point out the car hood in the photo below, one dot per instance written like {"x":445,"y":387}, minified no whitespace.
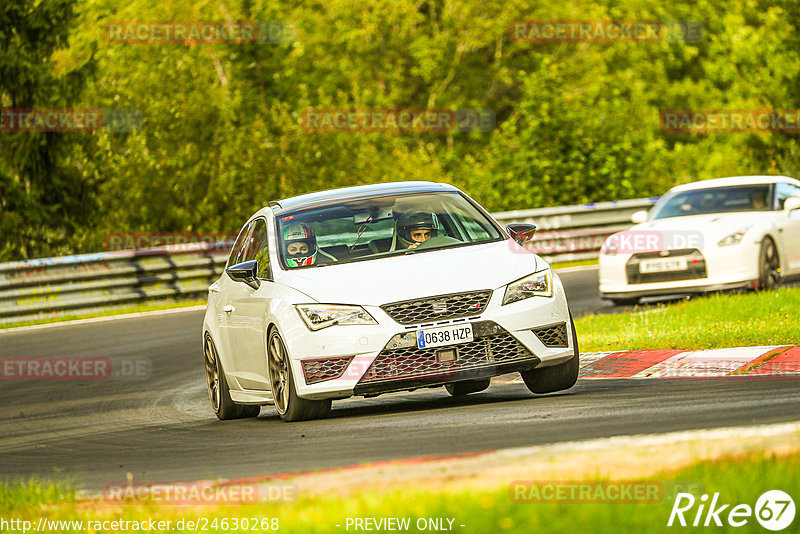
{"x":706,"y":229}
{"x":379,"y":281}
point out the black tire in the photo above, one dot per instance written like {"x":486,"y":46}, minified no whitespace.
{"x":288,"y":405}
{"x":465,"y":387}
{"x":557,"y":377}
{"x":633,"y":301}
{"x":768,"y":266}
{"x":218,"y":391}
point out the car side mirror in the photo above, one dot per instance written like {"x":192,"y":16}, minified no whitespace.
{"x":245,"y":272}
{"x":521,"y":232}
{"x":639,"y":217}
{"x":791,"y":204}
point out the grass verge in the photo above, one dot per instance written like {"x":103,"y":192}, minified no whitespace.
{"x":575,"y":263}
{"x":107,"y":313}
{"x":709,"y":322}
{"x":738,"y":481}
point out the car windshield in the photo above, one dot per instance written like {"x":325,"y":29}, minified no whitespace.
{"x":378,"y":227}
{"x":715,"y":200}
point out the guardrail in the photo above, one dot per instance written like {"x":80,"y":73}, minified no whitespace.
{"x":86,"y":283}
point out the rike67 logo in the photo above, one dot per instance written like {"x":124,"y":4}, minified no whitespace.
{"x":774,"y":510}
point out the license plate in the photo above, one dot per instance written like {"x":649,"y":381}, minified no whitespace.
{"x":445,"y":335}
{"x":665,"y":265}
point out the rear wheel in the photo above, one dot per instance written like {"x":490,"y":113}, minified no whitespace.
{"x":769,"y":265}
{"x":218,"y":390}
{"x":459,"y":389}
{"x":289,"y":406}
{"x":556,"y":377}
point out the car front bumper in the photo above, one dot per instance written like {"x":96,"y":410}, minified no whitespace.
{"x":724,"y":268}
{"x":384,"y":357}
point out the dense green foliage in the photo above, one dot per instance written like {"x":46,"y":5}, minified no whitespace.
{"x":222,"y":134}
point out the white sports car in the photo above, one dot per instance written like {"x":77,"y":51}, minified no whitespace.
{"x":372,"y":289}
{"x":712,"y":235}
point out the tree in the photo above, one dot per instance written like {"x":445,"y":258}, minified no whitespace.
{"x":44,"y":198}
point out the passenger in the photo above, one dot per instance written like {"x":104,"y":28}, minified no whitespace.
{"x":300,"y":245}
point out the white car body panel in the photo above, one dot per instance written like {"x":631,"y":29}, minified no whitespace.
{"x":728,"y":267}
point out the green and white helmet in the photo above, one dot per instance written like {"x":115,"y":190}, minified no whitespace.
{"x":299,"y":233}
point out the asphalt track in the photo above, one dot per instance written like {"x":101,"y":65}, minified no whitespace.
{"x":160,"y":428}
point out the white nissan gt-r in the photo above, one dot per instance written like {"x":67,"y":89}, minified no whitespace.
{"x":713,"y":235}
{"x":372,"y":289}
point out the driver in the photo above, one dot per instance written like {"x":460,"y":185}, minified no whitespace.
{"x":300,"y":245}
{"x":414,"y":229}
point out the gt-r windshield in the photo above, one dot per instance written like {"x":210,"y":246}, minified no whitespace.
{"x":377,"y":227}
{"x":715,"y":200}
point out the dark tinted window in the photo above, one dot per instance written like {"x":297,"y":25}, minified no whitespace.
{"x":715,"y":200}
{"x":237,"y":252}
{"x":258,"y":247}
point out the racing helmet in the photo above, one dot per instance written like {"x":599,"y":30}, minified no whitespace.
{"x":419,"y":220}
{"x":299,"y":233}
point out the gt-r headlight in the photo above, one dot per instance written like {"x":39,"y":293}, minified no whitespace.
{"x":319,"y":316}
{"x":733,"y":238}
{"x":539,"y":284}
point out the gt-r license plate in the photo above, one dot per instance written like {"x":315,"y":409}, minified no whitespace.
{"x":445,"y":335}
{"x":665,"y":265}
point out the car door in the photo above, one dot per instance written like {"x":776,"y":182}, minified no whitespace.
{"x":789,"y":225}
{"x":246,"y":309}
{"x":219,"y":293}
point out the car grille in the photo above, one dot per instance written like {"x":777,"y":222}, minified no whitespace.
{"x":553,"y":336}
{"x":324,"y":369}
{"x":412,"y":362}
{"x":438,"y":308}
{"x":695,"y":259}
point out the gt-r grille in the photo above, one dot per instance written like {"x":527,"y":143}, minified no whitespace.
{"x":553,"y":336}
{"x":411,"y":362}
{"x":438,"y":308}
{"x":696,"y":266}
{"x":324,"y":369}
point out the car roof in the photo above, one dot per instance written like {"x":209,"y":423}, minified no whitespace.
{"x":735,"y":180}
{"x":335,"y":196}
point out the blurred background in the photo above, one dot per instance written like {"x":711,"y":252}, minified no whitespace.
{"x":220,"y":129}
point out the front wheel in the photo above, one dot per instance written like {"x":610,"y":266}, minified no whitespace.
{"x":557,"y":377}
{"x":768,"y":265}
{"x":289,"y":406}
{"x":465,"y":387}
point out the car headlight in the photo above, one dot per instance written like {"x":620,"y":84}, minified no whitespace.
{"x":734,"y":238}
{"x":539,"y":284}
{"x":610,"y":246}
{"x":319,"y":316}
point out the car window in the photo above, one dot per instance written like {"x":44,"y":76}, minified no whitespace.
{"x":375,"y":227}
{"x":237,"y":252}
{"x":715,"y":200}
{"x":783,"y":191}
{"x":258,"y":247}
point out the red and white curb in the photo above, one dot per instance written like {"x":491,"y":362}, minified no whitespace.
{"x":739,"y":361}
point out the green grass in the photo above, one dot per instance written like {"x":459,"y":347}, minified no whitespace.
{"x":739,"y":481}
{"x":712,"y":321}
{"x":575,"y":263}
{"x":116,"y":311}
